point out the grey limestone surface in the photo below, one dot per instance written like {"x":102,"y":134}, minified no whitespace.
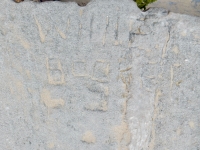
{"x":102,"y":77}
{"x":191,"y":7}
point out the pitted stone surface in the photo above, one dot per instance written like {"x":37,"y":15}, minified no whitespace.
{"x":190,"y":7}
{"x":106,"y":76}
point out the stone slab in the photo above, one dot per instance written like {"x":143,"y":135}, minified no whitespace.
{"x":106,"y":76}
{"x":191,"y":7}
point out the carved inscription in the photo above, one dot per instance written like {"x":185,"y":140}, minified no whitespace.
{"x":101,"y":71}
{"x":97,"y":88}
{"x":101,"y":93}
{"x":48,"y":101}
{"x":54,"y":71}
{"x":98,"y":106}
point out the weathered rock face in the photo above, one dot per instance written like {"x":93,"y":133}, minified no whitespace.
{"x":106,"y":76}
{"x":190,"y":7}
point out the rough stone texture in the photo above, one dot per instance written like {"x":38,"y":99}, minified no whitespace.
{"x":106,"y":76}
{"x":191,"y":7}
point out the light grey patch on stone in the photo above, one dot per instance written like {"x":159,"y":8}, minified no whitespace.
{"x":196,"y":2}
{"x":172,"y":3}
{"x":106,"y":76}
